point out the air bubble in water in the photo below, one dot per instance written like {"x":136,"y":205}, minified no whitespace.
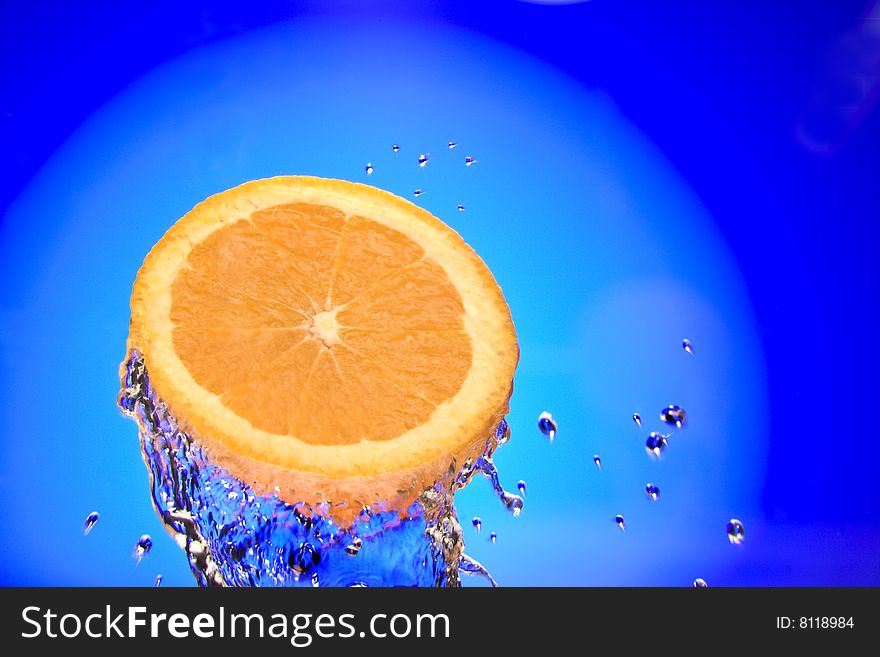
{"x":418,"y":192}
{"x":493,"y":537}
{"x":158,"y":581}
{"x":477,"y":523}
{"x":521,"y":487}
{"x":673,"y":414}
{"x":687,"y":346}
{"x":452,"y":145}
{"x":638,"y":420}
{"x":656,"y":444}
{"x":653,"y":492}
{"x":142,"y":547}
{"x":423,"y":159}
{"x":598,"y":461}
{"x":736,"y":532}
{"x":620,"y":522}
{"x":369,"y":169}
{"x":547,"y":425}
{"x":459,"y":207}
{"x":91,"y":521}
{"x":395,"y":148}
{"x":354,"y":547}
{"x":468,"y":161}
{"x":700,"y":583}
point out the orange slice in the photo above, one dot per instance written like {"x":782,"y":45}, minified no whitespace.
{"x":326,"y":338}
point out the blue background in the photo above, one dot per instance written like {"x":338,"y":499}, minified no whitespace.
{"x":646,"y":172}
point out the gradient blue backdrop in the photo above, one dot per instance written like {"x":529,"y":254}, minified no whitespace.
{"x":645,"y":173}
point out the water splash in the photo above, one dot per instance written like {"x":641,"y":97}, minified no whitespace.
{"x":90,"y":522}
{"x":700,"y":583}
{"x":234,"y":535}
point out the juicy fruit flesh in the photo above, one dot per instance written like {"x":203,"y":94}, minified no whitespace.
{"x":310,"y":323}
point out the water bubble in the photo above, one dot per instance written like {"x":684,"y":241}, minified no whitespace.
{"x":653,"y":492}
{"x":521,"y":487}
{"x":423,"y":159}
{"x":142,"y":547}
{"x":638,"y":420}
{"x":468,"y":161}
{"x":547,"y":425}
{"x":620,"y":522}
{"x":395,"y":148}
{"x":502,"y":432}
{"x":418,"y":192}
{"x":354,"y":547}
{"x":452,"y":145}
{"x":687,"y":346}
{"x":459,"y":207}
{"x":673,"y":414}
{"x":700,"y":583}
{"x":656,"y":444}
{"x":90,"y":522}
{"x":477,"y":523}
{"x":158,"y":581}
{"x":598,"y":461}
{"x":493,"y":537}
{"x":736,"y":532}
{"x":369,"y":169}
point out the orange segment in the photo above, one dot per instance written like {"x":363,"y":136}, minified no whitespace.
{"x":326,"y":338}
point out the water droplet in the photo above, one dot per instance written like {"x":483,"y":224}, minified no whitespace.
{"x":423,"y":159}
{"x":521,"y":487}
{"x":477,"y":523}
{"x":638,"y":420}
{"x":653,"y":492}
{"x":354,"y":547}
{"x":493,"y":537}
{"x":369,"y":169}
{"x":656,"y":444}
{"x":687,"y":346}
{"x":91,"y":521}
{"x":142,"y":547}
{"x":620,"y":522}
{"x":395,"y":148}
{"x":700,"y":583}
{"x":452,"y":145}
{"x":468,"y":161}
{"x":514,"y":503}
{"x":547,"y":425}
{"x":673,"y":414}
{"x":459,"y":207}
{"x":158,"y":581}
{"x":418,"y":192}
{"x":598,"y":461}
{"x":736,"y":532}
{"x":502,"y":432}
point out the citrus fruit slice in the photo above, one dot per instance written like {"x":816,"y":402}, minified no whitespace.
{"x":325,"y":339}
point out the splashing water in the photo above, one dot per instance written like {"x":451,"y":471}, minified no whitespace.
{"x":234,"y":535}
{"x":700,"y":583}
{"x":90,"y":522}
